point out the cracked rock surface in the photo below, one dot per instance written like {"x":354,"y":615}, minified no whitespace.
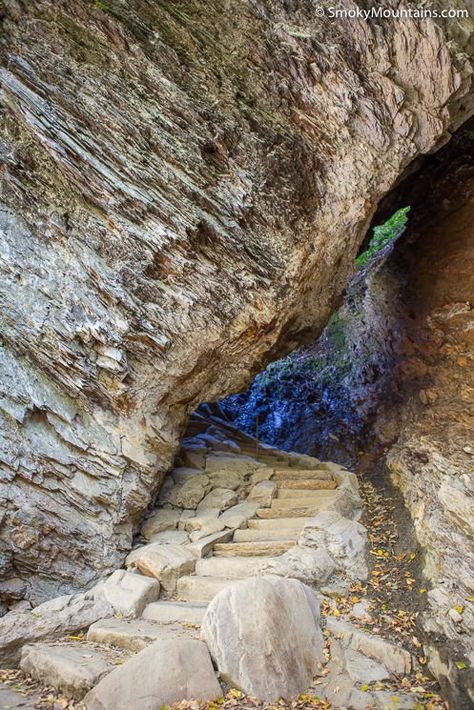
{"x":184,"y":189}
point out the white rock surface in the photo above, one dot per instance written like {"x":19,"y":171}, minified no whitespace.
{"x":162,"y":674}
{"x":171,"y":612}
{"x":130,"y":593}
{"x":72,"y":670}
{"x":263,"y":493}
{"x":394,"y":658}
{"x":176,"y":537}
{"x":51,"y":619}
{"x":226,"y":479}
{"x":345,"y":540}
{"x":218,"y":499}
{"x":245,"y":465}
{"x":304,"y":563}
{"x":163,"y":519}
{"x":135,"y":634}
{"x":189,"y":493}
{"x":205,"y":545}
{"x":238,"y":515}
{"x":166,"y":563}
{"x":264,"y":636}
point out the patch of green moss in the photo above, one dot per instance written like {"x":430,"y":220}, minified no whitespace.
{"x":383,"y":234}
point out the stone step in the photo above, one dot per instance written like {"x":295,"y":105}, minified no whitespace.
{"x":308,"y":501}
{"x":13,"y":700}
{"x":288,"y":498}
{"x":275,"y":514}
{"x":136,"y":634}
{"x":201,"y":589}
{"x":175,"y":612}
{"x":305,"y":484}
{"x":257,"y":535}
{"x":235,"y":567}
{"x":294,"y":474}
{"x":293,"y":523}
{"x":71,"y":668}
{"x":253,"y":549}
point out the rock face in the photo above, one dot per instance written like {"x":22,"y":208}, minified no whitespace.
{"x":405,"y":344}
{"x":164,"y":673}
{"x":53,"y":618}
{"x":264,"y":636}
{"x":183,"y":195}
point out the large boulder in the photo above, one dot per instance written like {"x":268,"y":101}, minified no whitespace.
{"x":157,"y":247}
{"x":264,"y":636}
{"x":164,"y":673}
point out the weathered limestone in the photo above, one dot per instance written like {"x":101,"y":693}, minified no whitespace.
{"x":393,"y":657}
{"x":205,"y":545}
{"x":73,"y":670}
{"x":164,"y":562}
{"x":226,"y":479}
{"x":134,"y":634}
{"x":187,"y":494}
{"x":252,"y":549}
{"x":119,"y":317}
{"x":167,"y":537}
{"x":13,"y":700}
{"x":201,"y":589}
{"x":263,"y":493}
{"x":231,"y":567}
{"x":313,"y":567}
{"x":264,"y":636}
{"x":205,"y":523}
{"x":171,"y":612}
{"x":362,"y":669}
{"x":219,"y":499}
{"x":130,"y":593}
{"x":162,"y":519}
{"x":345,"y":540}
{"x":164,"y":673}
{"x":238,"y":515}
{"x":51,"y":619}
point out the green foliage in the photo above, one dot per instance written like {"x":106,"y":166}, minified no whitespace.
{"x":383,"y":234}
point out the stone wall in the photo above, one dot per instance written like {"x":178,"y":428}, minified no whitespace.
{"x":184,"y":189}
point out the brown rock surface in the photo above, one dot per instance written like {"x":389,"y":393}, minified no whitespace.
{"x":183,"y":195}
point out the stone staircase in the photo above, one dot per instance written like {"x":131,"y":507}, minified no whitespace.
{"x":300,"y":493}
{"x":272,"y":498}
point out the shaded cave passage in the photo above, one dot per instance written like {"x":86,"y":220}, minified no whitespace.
{"x":387,"y":391}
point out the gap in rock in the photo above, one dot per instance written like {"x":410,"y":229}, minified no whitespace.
{"x":387,"y":391}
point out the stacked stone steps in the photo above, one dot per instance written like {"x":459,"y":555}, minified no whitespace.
{"x":196,"y":589}
{"x":253,"y":549}
{"x":231,"y":567}
{"x":295,"y":512}
{"x":306,"y":484}
{"x":257,"y":535}
{"x":296,"y":474}
{"x":166,"y":612}
{"x":299,"y":495}
{"x":136,"y":634}
{"x":293,"y":524}
{"x":72,"y":668}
